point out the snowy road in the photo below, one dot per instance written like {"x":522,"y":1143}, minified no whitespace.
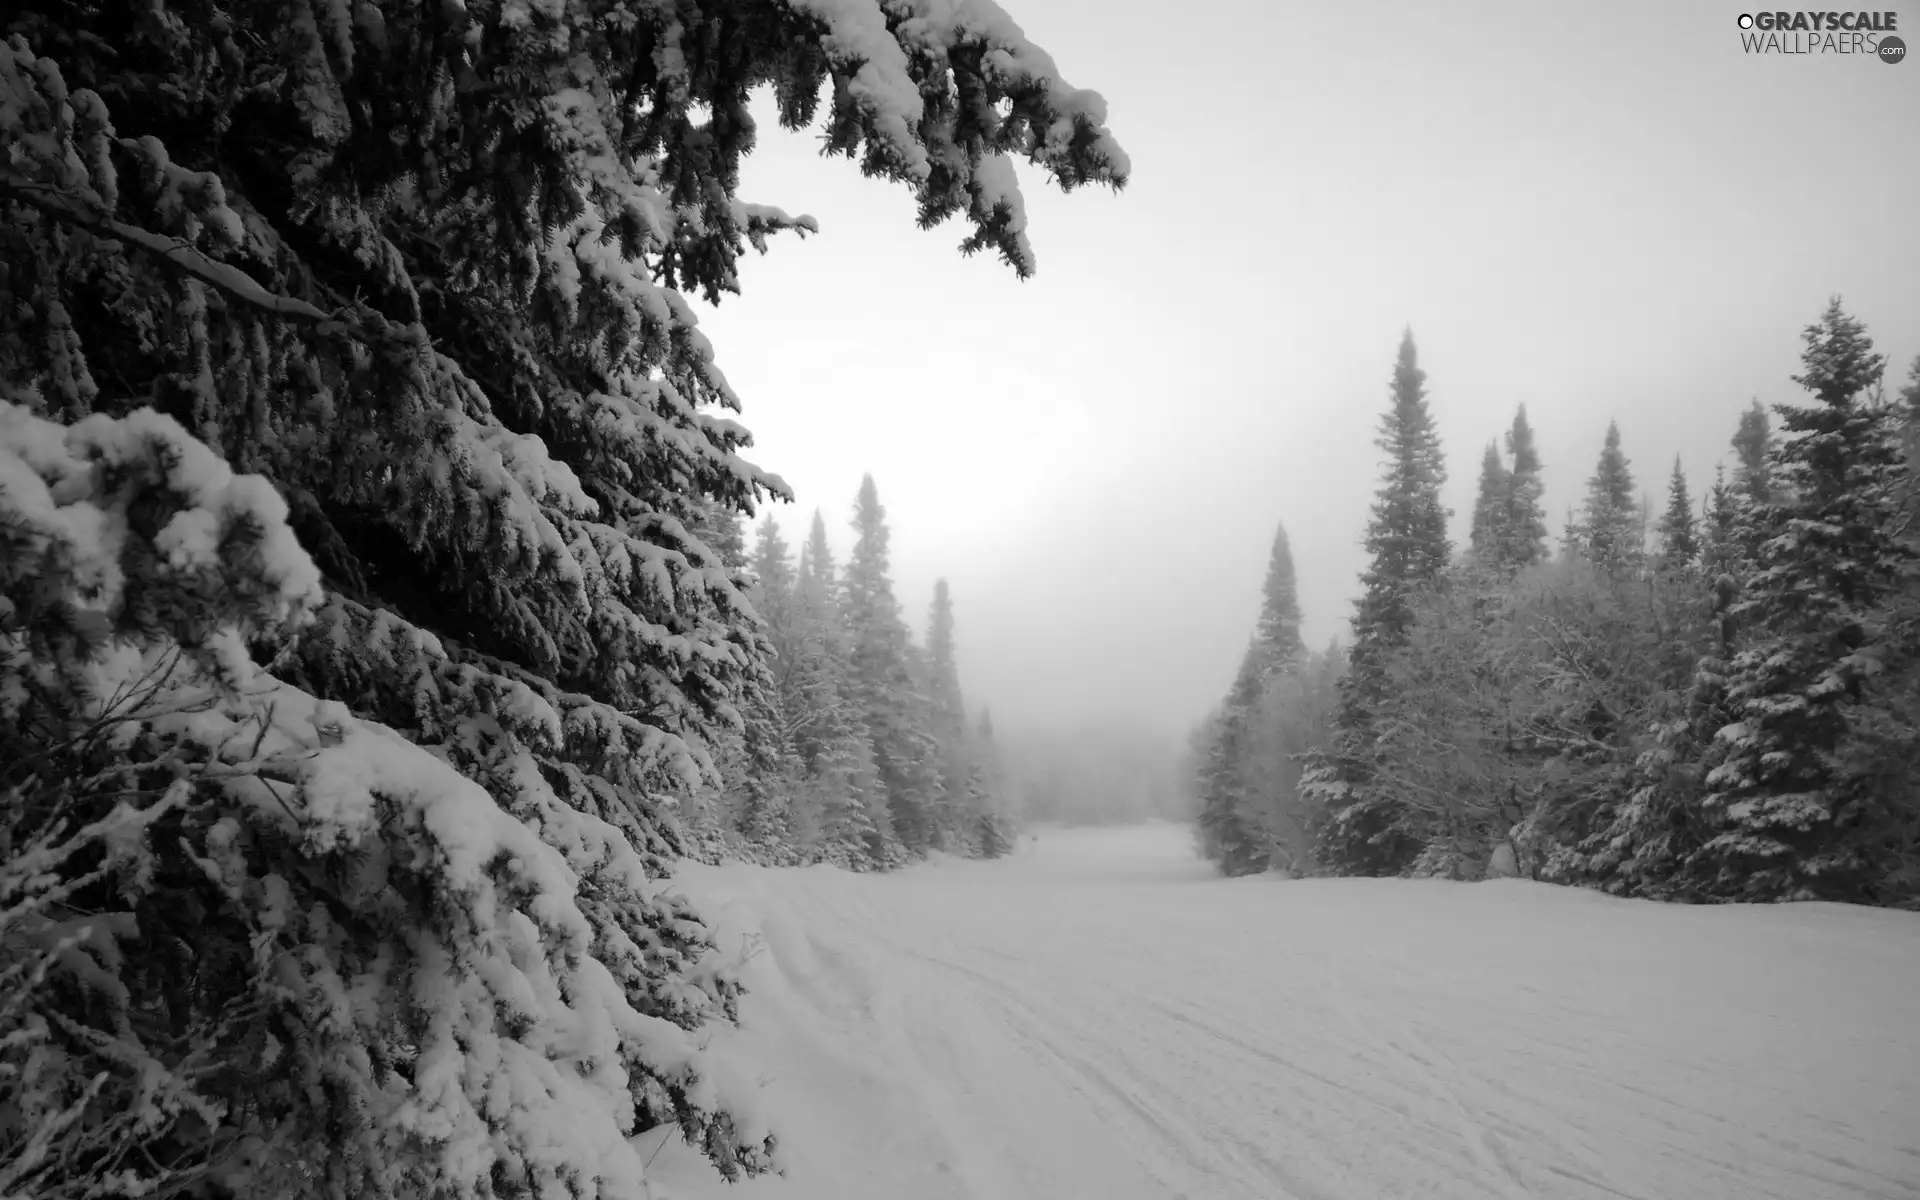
{"x":1099,"y":1017}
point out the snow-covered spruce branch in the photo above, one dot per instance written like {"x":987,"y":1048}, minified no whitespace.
{"x":294,"y":837}
{"x":183,"y":259}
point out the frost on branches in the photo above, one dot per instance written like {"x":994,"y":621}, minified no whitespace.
{"x":417,"y":272}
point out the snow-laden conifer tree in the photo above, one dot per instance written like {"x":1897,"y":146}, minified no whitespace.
{"x":987,"y":784}
{"x":1907,"y":417}
{"x":773,"y":589}
{"x":1407,"y":539}
{"x":1293,"y":717}
{"x":969,"y":806}
{"x":1679,"y":539}
{"x":1277,"y":632}
{"x":1753,"y":447}
{"x":880,"y":678}
{"x":1609,"y":532}
{"x":1525,"y":526}
{"x":957,"y":812}
{"x":943,"y":672}
{"x":945,"y":828}
{"x":251,"y":944}
{"x":422,"y":269}
{"x":1233,"y":829}
{"x":1717,"y":515}
{"x":1407,"y":535}
{"x":1722,"y":555}
{"x":1797,"y":823}
{"x":1487,"y":537}
{"x":1755,"y":486}
{"x":830,"y":735}
{"x":762,"y":783}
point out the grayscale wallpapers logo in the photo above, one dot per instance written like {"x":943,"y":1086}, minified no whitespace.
{"x":1868,"y":34}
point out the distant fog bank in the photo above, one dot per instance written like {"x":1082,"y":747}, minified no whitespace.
{"x":1095,"y":773}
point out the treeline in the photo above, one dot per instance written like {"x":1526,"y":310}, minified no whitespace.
{"x":1685,"y":703}
{"x":855,"y":746}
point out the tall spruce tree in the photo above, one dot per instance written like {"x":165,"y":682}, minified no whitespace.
{"x":881,"y":677}
{"x":1407,"y":535}
{"x":798,"y":677}
{"x":829,"y":735}
{"x":1488,"y":538}
{"x":1722,"y":565}
{"x":773,"y":587}
{"x":1609,"y":531}
{"x":1753,"y":444}
{"x":1756,"y":486}
{"x":419,"y":272}
{"x":949,"y":709}
{"x":1407,"y":539}
{"x":1679,"y":543}
{"x":987,"y":782}
{"x":1525,"y":525}
{"x":1231,"y":831}
{"x":820,"y":714}
{"x":1277,"y":632}
{"x":743,"y":793}
{"x":1907,"y":417}
{"x":760,"y":781}
{"x":1797,"y":824}
{"x":1719,"y":514}
{"x":1742,"y":512}
{"x":958,"y":796}
{"x":1231,"y":811}
{"x":816,"y":569}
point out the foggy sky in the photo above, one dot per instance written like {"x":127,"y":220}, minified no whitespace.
{"x":1604,"y":211}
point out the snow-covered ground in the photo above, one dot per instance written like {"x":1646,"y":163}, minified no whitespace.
{"x":1100,"y":1017}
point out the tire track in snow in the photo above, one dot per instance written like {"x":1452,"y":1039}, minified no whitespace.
{"x":1035,"y":1031}
{"x":1262,"y":1175}
{"x":1441,"y":1073}
{"x":1263,"y":1172}
{"x":898,"y":1020}
{"x":1461,"y":1123}
{"x":1465,"y":1126}
{"x":1249,"y":1048}
{"x":1447,"y":1081}
{"x":1482,"y":1100}
{"x":917,"y":1022}
{"x":1112,"y":1037}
